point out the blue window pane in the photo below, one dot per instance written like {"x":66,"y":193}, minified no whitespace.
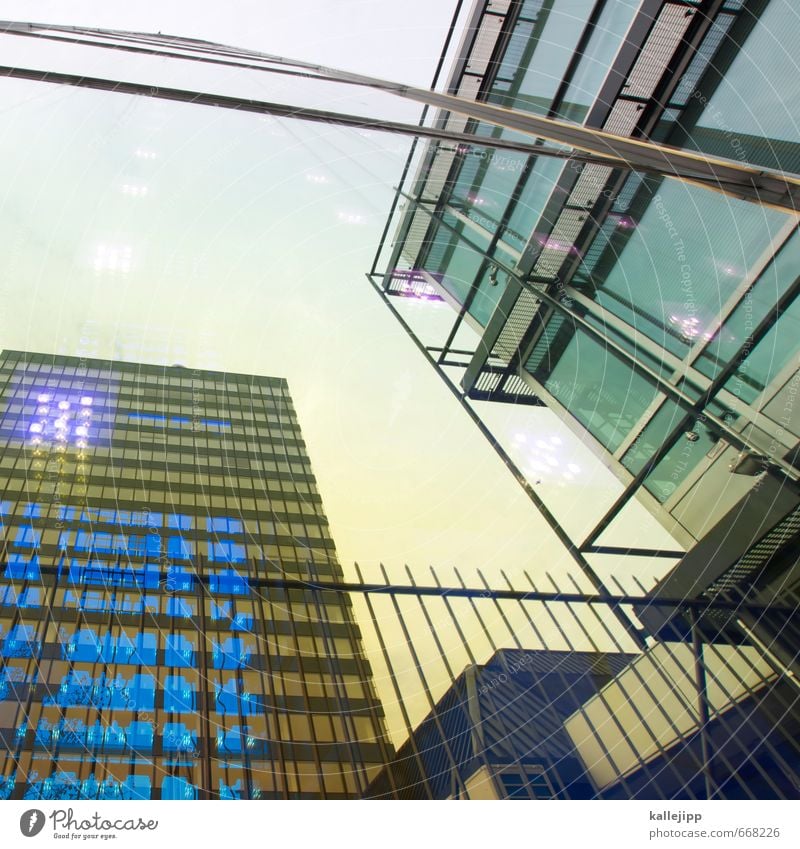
{"x":229,"y":582}
{"x":232,"y":697}
{"x":178,"y":738}
{"x":23,"y":568}
{"x":234,"y":653}
{"x":180,"y":549}
{"x":21,"y":642}
{"x":224,"y":524}
{"x":226,"y":551}
{"x":177,"y":789}
{"x":27,"y":536}
{"x":180,"y":695}
{"x":181,"y":608}
{"x":180,"y":522}
{"x":32,"y":511}
{"x":179,"y":651}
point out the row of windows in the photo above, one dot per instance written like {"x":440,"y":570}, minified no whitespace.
{"x":238,"y":614}
{"x":29,"y":400}
{"x":32,"y":371}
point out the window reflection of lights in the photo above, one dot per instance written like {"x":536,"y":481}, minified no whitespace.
{"x":134,"y":191}
{"x":63,"y":405}
{"x":37,"y":440}
{"x":350,"y":218}
{"x":142,"y":153}
{"x":86,"y":401}
{"x":42,"y":411}
{"x":43,"y":399}
{"x":316,"y":178}
{"x":113,"y":258}
{"x":81,"y":430}
{"x":35,"y":428}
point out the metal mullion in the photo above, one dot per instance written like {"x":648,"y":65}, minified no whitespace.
{"x":400,"y":700}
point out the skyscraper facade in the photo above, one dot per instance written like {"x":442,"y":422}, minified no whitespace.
{"x":149,"y":648}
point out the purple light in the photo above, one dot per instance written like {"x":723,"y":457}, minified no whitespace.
{"x":63,"y":405}
{"x":35,"y":428}
{"x":43,"y":399}
{"x":42,"y":411}
{"x":81,"y":430}
{"x":86,"y":401}
{"x":60,"y":424}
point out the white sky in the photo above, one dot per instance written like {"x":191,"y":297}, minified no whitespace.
{"x":247,"y":253}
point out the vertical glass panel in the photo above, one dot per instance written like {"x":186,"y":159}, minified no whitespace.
{"x":602,"y":392}
{"x":678,"y":269}
{"x":597,"y":58}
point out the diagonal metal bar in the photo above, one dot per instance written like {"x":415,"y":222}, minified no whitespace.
{"x":763,"y":186}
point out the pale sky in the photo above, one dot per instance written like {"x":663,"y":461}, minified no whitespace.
{"x":160,"y":232}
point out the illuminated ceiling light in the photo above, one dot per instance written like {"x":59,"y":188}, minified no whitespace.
{"x":81,"y":430}
{"x":42,"y":411}
{"x":134,"y":191}
{"x":35,"y":428}
{"x":316,"y":178}
{"x":142,"y":153}
{"x":63,"y":405}
{"x":43,"y":399}
{"x":81,"y":444}
{"x":86,"y":401}
{"x":37,"y":440}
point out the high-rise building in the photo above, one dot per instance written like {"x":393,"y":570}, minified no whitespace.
{"x":657,"y":318}
{"x":156,"y":635}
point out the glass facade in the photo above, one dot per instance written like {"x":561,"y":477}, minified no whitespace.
{"x":141,"y":657}
{"x":695,"y":289}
